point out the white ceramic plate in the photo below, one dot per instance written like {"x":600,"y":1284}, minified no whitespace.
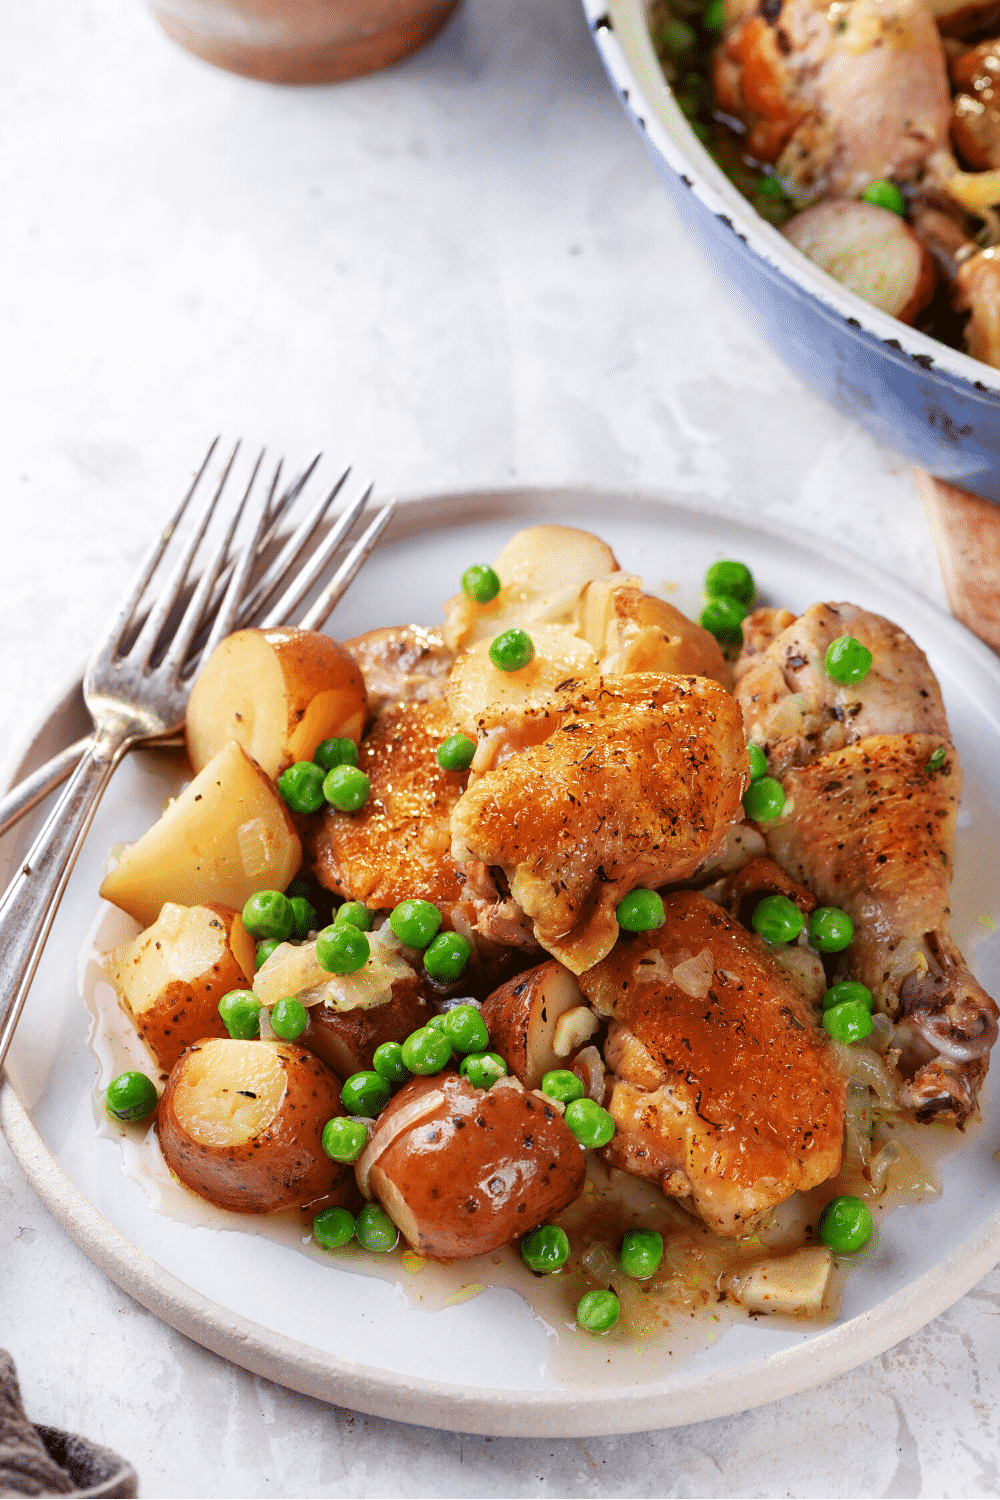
{"x":485,"y":1366}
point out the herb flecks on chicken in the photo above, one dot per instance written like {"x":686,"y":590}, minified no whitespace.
{"x":872,"y":785}
{"x":398,"y":845}
{"x":724,"y":1089}
{"x":635,"y":785}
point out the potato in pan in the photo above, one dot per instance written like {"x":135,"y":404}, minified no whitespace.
{"x":538,"y":1021}
{"x":462,"y":1171}
{"x":346,"y":1040}
{"x":241,"y":1123}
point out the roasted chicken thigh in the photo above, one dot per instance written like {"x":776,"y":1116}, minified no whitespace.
{"x":635,"y":784}
{"x":724,"y":1089}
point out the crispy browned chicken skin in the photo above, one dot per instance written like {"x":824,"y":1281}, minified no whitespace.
{"x":869,"y":826}
{"x":725,"y":1090}
{"x":399,"y":844}
{"x":635,"y":784}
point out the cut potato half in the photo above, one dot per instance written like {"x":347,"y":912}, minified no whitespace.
{"x":477,"y":685}
{"x":227,"y":835}
{"x":171,"y":978}
{"x":241,"y":1122}
{"x":277,"y":693}
{"x":462,"y":1171}
{"x":635,"y":632}
{"x":869,"y":250}
{"x":541,"y":571}
{"x":538,"y":1021}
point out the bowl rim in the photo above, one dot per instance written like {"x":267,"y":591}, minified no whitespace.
{"x":621,"y":35}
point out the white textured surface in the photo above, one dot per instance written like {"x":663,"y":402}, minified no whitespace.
{"x":458,"y":274}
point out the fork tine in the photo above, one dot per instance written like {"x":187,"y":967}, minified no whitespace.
{"x":277,"y":573}
{"x":145,"y":645}
{"x":226,"y":620}
{"x":194,"y":614}
{"x":128,"y":606}
{"x":314,"y":569}
{"x":345,"y":574}
{"x":296,"y":487}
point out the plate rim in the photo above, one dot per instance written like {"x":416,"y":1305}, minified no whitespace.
{"x":566,"y":1412}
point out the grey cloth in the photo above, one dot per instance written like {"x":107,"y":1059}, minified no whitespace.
{"x":25,"y":1465}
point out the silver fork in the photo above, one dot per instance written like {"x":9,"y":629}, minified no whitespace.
{"x":36,"y":786}
{"x":136,"y":691}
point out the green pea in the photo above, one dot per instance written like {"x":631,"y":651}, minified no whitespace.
{"x":546,"y":1249}
{"x":365,"y":1094}
{"x":482,"y":1069}
{"x":426,"y":1051}
{"x":447,"y":956}
{"x":884,"y":194}
{"x":268,"y":915}
{"x":592,"y":1125}
{"x":847,"y":661}
{"x":937,"y":760}
{"x":346,"y":788}
{"x":302,"y":787}
{"x":436,"y":1023}
{"x":356,"y":914}
{"x":830,"y":929}
{"x":240,"y":1012}
{"x":344,"y":1139}
{"x":330,"y":753}
{"x":388,"y":1063}
{"x":456,"y":753}
{"x":512,"y":650}
{"x":131,"y":1096}
{"x":777,"y":919}
{"x":758,"y":762}
{"x":723,"y":616}
{"x":769,"y":189}
{"x":375,"y":1230}
{"x":415,"y":923}
{"x":732,"y":578}
{"x":675,"y":37}
{"x":845,"y":1225}
{"x":701,"y":131}
{"x":289,"y":1018}
{"x":465,"y":1029}
{"x":640,"y":911}
{"x":641,"y":1253}
{"x":304,"y":917}
{"x":333,"y":1227}
{"x":850,"y":1021}
{"x":342,"y":949}
{"x":563,"y":1085}
{"x":265,"y":949}
{"x":597,"y":1311}
{"x":764,"y":800}
{"x":848,"y":989}
{"x":714,"y":18}
{"x":480,"y":583}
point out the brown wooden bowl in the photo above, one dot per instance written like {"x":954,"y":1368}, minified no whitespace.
{"x":302,"y":41}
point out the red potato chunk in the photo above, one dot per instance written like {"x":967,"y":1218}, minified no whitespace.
{"x":241,"y":1123}
{"x":870,"y":251}
{"x":171,"y":978}
{"x":462,"y":1171}
{"x":346,"y":1039}
{"x":538,"y":1021}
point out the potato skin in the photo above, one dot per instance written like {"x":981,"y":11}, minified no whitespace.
{"x":346,"y":1040}
{"x":480,"y":1170}
{"x":284,"y":1165}
{"x":513,"y":1012}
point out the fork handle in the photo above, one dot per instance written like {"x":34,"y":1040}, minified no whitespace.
{"x":29,"y":904}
